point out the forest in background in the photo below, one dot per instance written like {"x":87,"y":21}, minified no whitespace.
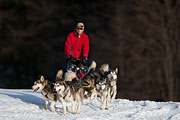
{"x":140,"y":37}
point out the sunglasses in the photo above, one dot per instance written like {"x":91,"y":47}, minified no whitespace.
{"x":79,"y":28}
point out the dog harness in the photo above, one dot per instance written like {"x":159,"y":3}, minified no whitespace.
{"x":50,"y":93}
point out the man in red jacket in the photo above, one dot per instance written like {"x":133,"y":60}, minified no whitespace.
{"x":77,"y":45}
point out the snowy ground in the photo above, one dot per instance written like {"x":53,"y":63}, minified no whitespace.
{"x":27,"y":105}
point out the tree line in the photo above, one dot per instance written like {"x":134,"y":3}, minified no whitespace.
{"x":140,"y":37}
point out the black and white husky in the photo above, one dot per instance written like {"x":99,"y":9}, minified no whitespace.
{"x":67,"y":92}
{"x":47,"y":90}
{"x":89,"y":82}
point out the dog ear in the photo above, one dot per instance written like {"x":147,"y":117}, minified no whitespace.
{"x":116,"y":70}
{"x":42,"y":78}
{"x":105,"y":80}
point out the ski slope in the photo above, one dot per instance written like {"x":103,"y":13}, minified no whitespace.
{"x":24,"y":104}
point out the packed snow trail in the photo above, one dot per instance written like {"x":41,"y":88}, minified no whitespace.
{"x":26,"y":105}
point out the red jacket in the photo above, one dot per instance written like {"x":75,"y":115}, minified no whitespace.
{"x":77,"y":46}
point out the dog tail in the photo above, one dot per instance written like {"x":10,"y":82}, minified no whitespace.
{"x":104,"y":68}
{"x":59,"y":75}
{"x":69,"y":76}
{"x":92,"y":66}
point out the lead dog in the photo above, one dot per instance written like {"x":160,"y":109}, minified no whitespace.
{"x":47,"y":90}
{"x":67,"y":92}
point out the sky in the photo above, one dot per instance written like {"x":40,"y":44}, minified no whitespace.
{"x":24,"y":104}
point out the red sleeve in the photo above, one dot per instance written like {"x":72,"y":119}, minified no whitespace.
{"x":67,"y":47}
{"x":86,"y":47}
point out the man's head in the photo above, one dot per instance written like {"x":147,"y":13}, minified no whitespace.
{"x":79,"y":28}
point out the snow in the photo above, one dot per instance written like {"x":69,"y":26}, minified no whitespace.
{"x":24,"y":104}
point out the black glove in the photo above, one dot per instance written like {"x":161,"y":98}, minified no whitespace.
{"x":84,"y":60}
{"x":71,"y":59}
{"x":68,"y":59}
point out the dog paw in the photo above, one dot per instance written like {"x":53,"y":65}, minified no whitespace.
{"x":53,"y":110}
{"x":106,"y":108}
{"x":76,"y":113}
{"x":101,"y":108}
{"x":63,"y":114}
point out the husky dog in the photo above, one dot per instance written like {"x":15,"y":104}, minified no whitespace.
{"x":77,"y":66}
{"x":89,"y":81}
{"x":66,"y":92}
{"x":103,"y":90}
{"x":46,"y":89}
{"x":89,"y":85}
{"x":112,"y":81}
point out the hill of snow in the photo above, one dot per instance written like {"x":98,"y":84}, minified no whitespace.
{"x":24,"y":104}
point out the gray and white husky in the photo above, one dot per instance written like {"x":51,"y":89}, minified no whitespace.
{"x":47,"y":90}
{"x":68,"y":93}
{"x":111,"y":80}
{"x":103,"y":90}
